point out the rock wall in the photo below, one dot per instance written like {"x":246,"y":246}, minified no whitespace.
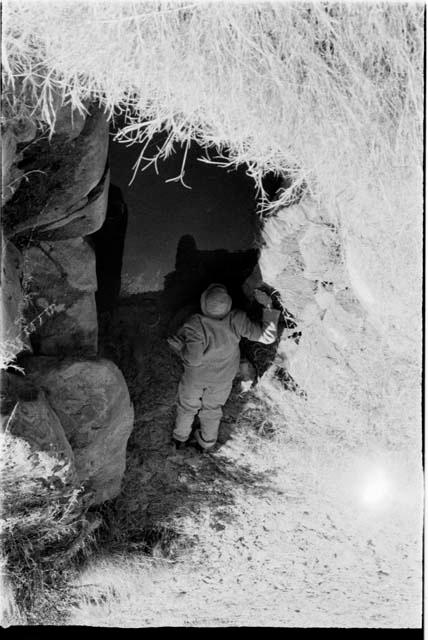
{"x":12,"y":338}
{"x":92,"y":403}
{"x":61,"y":275}
{"x":55,"y":194}
{"x":352,"y":350}
{"x":301,"y":258}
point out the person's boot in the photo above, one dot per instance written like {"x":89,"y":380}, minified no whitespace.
{"x":178,"y":444}
{"x":203,"y":450}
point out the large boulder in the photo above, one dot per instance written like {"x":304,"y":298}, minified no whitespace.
{"x":60,"y":280}
{"x":11,"y":176}
{"x":12,"y":337}
{"x":84,"y":220}
{"x":63,"y":176}
{"x":301,"y":258}
{"x":91,"y":399}
{"x":33,"y":420}
{"x":19,"y":131}
{"x":11,"y":293}
{"x":13,"y":388}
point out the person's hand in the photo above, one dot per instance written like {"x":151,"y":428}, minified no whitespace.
{"x":175,"y":344}
{"x":262,"y":298}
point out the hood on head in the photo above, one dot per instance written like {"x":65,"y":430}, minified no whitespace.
{"x":215,"y":301}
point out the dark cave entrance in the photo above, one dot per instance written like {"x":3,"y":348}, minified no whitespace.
{"x":174,"y":234}
{"x":214,"y":211}
{"x":168,"y":241}
{"x":177,"y":238}
{"x":163,"y":242}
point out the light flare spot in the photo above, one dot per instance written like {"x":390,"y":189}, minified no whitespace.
{"x":375,"y":489}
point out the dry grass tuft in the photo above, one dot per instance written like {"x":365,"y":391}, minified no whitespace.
{"x":43,"y":526}
{"x":332,"y":93}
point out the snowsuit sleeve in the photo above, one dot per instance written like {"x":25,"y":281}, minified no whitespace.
{"x":265,"y":332}
{"x":192,"y":336}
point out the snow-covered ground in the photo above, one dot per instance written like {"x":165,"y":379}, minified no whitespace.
{"x":273,"y":529}
{"x":292,"y":553}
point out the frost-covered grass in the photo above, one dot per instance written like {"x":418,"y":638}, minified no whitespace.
{"x":333,"y":90}
{"x":43,"y":527}
{"x":313,"y":537}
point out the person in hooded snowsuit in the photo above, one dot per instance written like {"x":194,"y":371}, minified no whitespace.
{"x":208,"y":344}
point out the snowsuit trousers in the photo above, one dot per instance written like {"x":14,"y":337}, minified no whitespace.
{"x":207,"y":399}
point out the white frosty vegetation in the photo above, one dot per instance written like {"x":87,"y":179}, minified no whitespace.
{"x":331,"y":95}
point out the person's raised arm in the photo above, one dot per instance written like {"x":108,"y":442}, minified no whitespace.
{"x":265,"y":332}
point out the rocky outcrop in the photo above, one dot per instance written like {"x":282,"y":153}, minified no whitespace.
{"x":11,"y":293}
{"x":13,"y":388}
{"x":301,"y":258}
{"x":88,"y":217}
{"x":11,"y":176}
{"x":74,"y":413}
{"x":21,"y":131}
{"x":26,"y":414}
{"x":36,"y":422}
{"x":64,"y":177}
{"x":60,"y":282}
{"x":63,"y":199}
{"x":91,"y":400}
{"x":12,"y":337}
